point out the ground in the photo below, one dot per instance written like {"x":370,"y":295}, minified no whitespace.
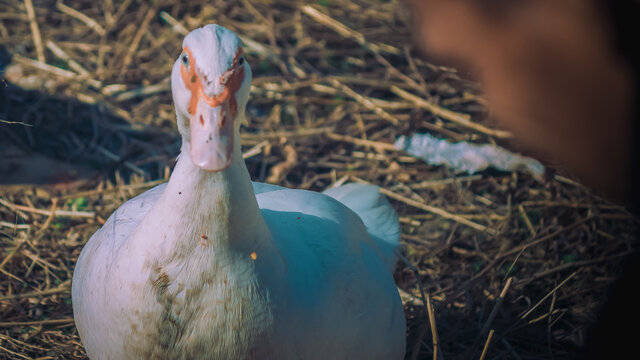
{"x":86,"y":122}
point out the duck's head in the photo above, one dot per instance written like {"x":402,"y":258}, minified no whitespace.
{"x":210,"y":82}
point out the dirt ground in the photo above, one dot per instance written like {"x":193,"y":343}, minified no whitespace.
{"x":86,"y":122}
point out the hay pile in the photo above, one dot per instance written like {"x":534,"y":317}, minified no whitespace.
{"x":86,"y":122}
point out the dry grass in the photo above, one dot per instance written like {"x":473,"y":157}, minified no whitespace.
{"x":511,"y":267}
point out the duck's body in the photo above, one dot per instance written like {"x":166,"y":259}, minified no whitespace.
{"x":211,"y":266}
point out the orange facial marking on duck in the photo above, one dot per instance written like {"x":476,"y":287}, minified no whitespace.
{"x":231,"y":79}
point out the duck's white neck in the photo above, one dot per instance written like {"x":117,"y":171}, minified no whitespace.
{"x":203,"y":213}
{"x":205,"y":245}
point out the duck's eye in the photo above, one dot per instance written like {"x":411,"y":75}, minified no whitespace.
{"x":185,"y":59}
{"x":241,"y":61}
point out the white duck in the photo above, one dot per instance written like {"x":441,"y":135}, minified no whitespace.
{"x":211,"y":266}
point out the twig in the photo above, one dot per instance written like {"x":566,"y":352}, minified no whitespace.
{"x":8,"y":204}
{"x":15,"y":123}
{"x":16,"y":341}
{"x":369,"y":143}
{"x":15,"y":226}
{"x":280,"y":170}
{"x":121,"y":10}
{"x":144,"y":27}
{"x":175,"y":24}
{"x":64,"y":287}
{"x":409,"y":298}
{"x":61,"y":54}
{"x":378,"y":83}
{"x":366,"y":102}
{"x":466,"y":284}
{"x":507,"y":253}
{"x":443,"y":182}
{"x":10,"y":274}
{"x":359,"y":38}
{"x":117,"y":158}
{"x":35,"y":30}
{"x":347,"y":32}
{"x":438,"y":211}
{"x":22,"y":240}
{"x":37,"y":323}
{"x":302,"y":132}
{"x":566,"y":180}
{"x":572,"y":265}
{"x":47,"y":223}
{"x":513,"y":264}
{"x":486,"y":345}
{"x":494,"y":311}
{"x":114,"y":189}
{"x":92,"y":24}
{"x":548,"y":314}
{"x":437,"y":354}
{"x":57,"y":213}
{"x":42,"y":262}
{"x":14,"y":353}
{"x":460,"y":119}
{"x":162,"y":86}
{"x":540,"y":240}
{"x":253,"y":47}
{"x":527,"y":222}
{"x":255,"y":150}
{"x":414,"y":68}
{"x":55,"y":70}
{"x":527,"y":313}
{"x":426,"y":301}
{"x":14,"y":16}
{"x":575,"y":205}
{"x":45,"y":67}
{"x":490,"y":319}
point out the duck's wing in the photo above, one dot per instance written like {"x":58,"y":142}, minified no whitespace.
{"x":122,"y":223}
{"x":335,"y":275}
{"x":376,"y":213}
{"x":379,"y":217}
{"x":259,"y":188}
{"x":97,"y":257}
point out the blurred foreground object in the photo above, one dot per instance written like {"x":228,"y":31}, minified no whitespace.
{"x":559,"y":75}
{"x":563,"y":76}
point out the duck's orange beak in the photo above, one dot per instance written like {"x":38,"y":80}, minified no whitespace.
{"x":211,"y":116}
{"x":211,"y":136}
